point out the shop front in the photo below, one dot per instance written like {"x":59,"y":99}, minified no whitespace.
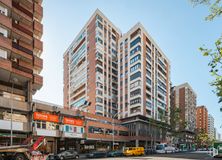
{"x":72,"y":134}
{"x":46,"y":125}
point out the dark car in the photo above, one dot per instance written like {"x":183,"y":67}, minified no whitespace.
{"x":97,"y":154}
{"x":116,"y":153}
{"x":52,"y":157}
{"x":69,"y":154}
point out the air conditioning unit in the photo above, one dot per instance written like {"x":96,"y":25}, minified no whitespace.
{"x":15,"y":40}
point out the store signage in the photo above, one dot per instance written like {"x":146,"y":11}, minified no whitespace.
{"x":73,"y":121}
{"x":75,"y":135}
{"x":45,"y":117}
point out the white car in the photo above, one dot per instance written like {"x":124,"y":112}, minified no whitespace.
{"x":165,"y":148}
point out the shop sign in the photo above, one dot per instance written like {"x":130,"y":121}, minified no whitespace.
{"x":74,"y":135}
{"x":46,"y":117}
{"x":73,"y":121}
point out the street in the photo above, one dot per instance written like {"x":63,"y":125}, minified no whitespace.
{"x":175,"y":156}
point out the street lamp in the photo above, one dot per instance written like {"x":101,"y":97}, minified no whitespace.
{"x":14,"y":80}
{"x":113,"y":125}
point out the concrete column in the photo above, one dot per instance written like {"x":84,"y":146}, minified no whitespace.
{"x":29,"y":91}
{"x":78,"y":145}
{"x":137,"y":143}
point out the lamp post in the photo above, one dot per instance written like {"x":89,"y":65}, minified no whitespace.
{"x":11,"y":127}
{"x":113,"y":126}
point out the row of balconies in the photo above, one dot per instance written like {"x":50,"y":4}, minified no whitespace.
{"x":22,"y":70}
{"x":18,"y":10}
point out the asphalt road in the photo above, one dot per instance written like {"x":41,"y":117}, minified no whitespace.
{"x":174,"y":156}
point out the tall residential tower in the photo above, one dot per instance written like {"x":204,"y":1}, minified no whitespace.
{"x":91,"y":69}
{"x":20,"y":48}
{"x":183,"y":100}
{"x":119,"y":76}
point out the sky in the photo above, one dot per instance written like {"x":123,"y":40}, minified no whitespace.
{"x":176,"y":26}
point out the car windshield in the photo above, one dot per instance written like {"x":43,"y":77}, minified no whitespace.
{"x":159,"y":147}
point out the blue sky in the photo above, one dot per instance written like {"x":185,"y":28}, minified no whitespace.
{"x":176,"y":26}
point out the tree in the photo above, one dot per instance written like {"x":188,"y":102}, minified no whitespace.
{"x":215,"y":55}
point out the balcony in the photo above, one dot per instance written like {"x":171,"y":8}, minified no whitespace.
{"x":24,"y":37}
{"x":26,"y":65}
{"x":5,"y":42}
{"x":6,"y":21}
{"x":22,"y":72}
{"x":17,"y":105}
{"x":23,"y":29}
{"x":22,"y":51}
{"x":5,"y":64}
{"x":38,"y":62}
{"x":7,"y":3}
{"x":21,"y":11}
{"x":38,"y":1}
{"x":38,"y":45}
{"x":37,"y":81}
{"x":38,"y":28}
{"x":38,"y":11}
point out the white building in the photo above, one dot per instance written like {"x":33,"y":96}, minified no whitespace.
{"x":211,"y":126}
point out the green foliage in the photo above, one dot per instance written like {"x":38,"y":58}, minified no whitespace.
{"x":203,"y":140}
{"x":215,"y":7}
{"x":215,"y":55}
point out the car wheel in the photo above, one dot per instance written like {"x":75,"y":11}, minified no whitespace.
{"x":77,"y":157}
{"x":20,"y":157}
{"x":62,"y":158}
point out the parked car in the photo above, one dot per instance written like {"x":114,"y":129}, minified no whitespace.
{"x":165,"y":148}
{"x":52,"y":157}
{"x":97,"y":154}
{"x":134,"y":151}
{"x":69,"y":154}
{"x":149,"y":151}
{"x":116,"y":153}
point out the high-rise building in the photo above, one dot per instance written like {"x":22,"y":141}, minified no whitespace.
{"x":20,"y":48}
{"x":183,"y":100}
{"x":211,"y":126}
{"x":215,"y":133}
{"x":144,"y":76}
{"x":202,"y":119}
{"x":91,"y":69}
{"x":20,"y":66}
{"x":122,"y":76}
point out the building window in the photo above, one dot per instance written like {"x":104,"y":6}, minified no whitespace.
{"x":98,"y":24}
{"x":135,"y":67}
{"x":148,"y":81}
{"x":3,"y":54}
{"x":99,"y":18}
{"x":136,"y":49}
{"x":3,"y":11}
{"x":135,"y":75}
{"x":99,"y":40}
{"x":135,"y":92}
{"x":100,"y":100}
{"x":99,"y":108}
{"x":135,"y":101}
{"x":134,"y":42}
{"x":134,"y":59}
{"x":135,"y":84}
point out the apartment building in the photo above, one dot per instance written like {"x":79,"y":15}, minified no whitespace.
{"x":91,"y":69}
{"x":202,"y":119}
{"x":183,"y":100}
{"x":20,"y":63}
{"x":119,"y":76}
{"x":144,"y":86}
{"x":210,"y":126}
